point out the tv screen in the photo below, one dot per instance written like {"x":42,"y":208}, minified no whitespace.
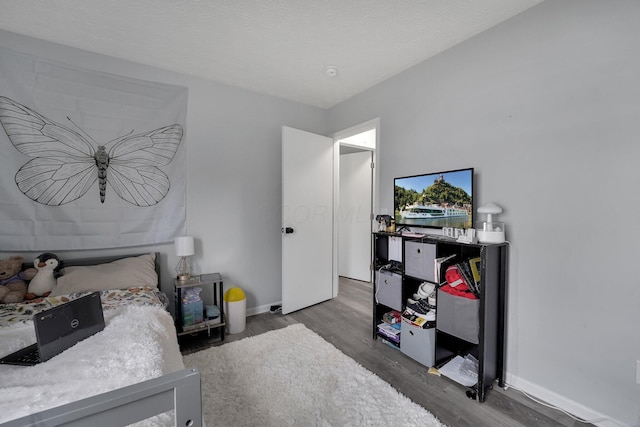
{"x":435,"y":200}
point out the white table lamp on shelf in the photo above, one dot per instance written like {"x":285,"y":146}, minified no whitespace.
{"x":184,"y":249}
{"x":490,"y":231}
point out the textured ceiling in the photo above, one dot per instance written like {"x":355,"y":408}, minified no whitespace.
{"x":277,"y":47}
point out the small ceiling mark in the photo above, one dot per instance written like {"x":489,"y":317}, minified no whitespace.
{"x":331,"y":71}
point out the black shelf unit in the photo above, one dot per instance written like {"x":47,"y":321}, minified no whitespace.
{"x":212,"y":293}
{"x":490,"y":346}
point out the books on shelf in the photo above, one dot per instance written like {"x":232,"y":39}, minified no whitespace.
{"x":475,"y":269}
{"x":389,"y":329}
{"x":439,"y":263}
{"x":391,"y":332}
{"x":467,"y":275}
{"x":417,"y":319}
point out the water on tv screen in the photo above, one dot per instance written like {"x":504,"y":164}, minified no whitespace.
{"x":435,"y":200}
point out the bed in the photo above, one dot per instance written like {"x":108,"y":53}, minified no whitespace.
{"x":126,"y":373}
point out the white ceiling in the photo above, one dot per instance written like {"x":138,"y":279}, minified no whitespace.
{"x":276,"y":47}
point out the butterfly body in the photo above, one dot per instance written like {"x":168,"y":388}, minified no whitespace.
{"x":66,"y":165}
{"x":102,"y":163}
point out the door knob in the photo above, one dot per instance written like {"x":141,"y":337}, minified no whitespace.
{"x":287,"y":230}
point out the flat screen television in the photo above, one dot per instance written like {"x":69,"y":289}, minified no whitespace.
{"x":434,"y":200}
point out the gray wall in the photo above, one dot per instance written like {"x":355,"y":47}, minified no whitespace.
{"x":546,"y":107}
{"x":233,"y":176}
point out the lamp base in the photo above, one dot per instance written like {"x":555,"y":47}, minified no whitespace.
{"x":490,"y":236}
{"x":490,"y":232}
{"x":183,"y":269}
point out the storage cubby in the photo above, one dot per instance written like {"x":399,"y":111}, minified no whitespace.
{"x":463,"y":326}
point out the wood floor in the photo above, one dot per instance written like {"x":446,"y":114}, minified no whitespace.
{"x":346,"y":321}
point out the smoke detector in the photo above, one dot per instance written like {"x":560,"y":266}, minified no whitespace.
{"x":331,"y":71}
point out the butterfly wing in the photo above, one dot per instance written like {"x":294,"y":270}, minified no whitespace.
{"x":36,"y":136}
{"x":63,"y":168}
{"x":134,"y":161}
{"x":55,"y":181}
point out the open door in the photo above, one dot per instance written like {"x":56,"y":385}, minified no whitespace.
{"x":308,"y":231}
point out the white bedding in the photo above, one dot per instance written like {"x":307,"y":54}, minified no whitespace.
{"x":137,"y":344}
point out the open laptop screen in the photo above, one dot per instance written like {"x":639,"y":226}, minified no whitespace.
{"x":63,"y":326}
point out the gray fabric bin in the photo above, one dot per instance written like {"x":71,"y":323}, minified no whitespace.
{"x":458,"y":316}
{"x":419,"y":260}
{"x":418,"y":343}
{"x":389,"y":289}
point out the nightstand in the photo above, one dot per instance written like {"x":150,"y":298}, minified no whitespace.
{"x":191,"y":317}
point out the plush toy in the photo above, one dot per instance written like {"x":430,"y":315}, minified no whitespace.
{"x":48,"y":265}
{"x":13,"y":280}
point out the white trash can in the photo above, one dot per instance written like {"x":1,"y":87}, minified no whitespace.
{"x":235,"y":308}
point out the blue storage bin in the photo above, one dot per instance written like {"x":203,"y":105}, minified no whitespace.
{"x":192,"y":313}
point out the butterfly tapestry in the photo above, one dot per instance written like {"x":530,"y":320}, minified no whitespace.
{"x":66,"y":165}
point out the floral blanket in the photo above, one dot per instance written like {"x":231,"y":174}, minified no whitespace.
{"x":23,"y":312}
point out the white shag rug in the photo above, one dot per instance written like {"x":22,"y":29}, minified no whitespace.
{"x":293,"y":377}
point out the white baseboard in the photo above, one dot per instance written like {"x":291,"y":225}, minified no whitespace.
{"x":261,"y":309}
{"x":564,"y":403}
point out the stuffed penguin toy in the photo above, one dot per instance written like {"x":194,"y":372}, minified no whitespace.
{"x":42,"y":284}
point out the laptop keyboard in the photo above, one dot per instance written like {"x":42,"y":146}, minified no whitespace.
{"x":31,"y":357}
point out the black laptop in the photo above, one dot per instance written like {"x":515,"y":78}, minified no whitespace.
{"x":59,"y":328}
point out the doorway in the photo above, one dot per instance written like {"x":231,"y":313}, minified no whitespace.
{"x":356,"y":199}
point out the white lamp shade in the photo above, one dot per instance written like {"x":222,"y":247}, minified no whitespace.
{"x":490,"y":208}
{"x":184,"y":246}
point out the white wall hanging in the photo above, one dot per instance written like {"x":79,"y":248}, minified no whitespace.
{"x":87,"y":159}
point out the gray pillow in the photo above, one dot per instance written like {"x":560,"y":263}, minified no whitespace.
{"x":121,"y":274}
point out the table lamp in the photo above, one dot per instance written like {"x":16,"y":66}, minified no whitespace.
{"x":184,"y":249}
{"x":489,"y":231}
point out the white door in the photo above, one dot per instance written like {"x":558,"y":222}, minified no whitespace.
{"x":308,"y":180}
{"x":354,"y":216}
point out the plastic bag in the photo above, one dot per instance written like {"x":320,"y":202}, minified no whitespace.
{"x":469,"y":367}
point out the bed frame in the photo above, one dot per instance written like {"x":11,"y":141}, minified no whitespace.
{"x":178,"y":391}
